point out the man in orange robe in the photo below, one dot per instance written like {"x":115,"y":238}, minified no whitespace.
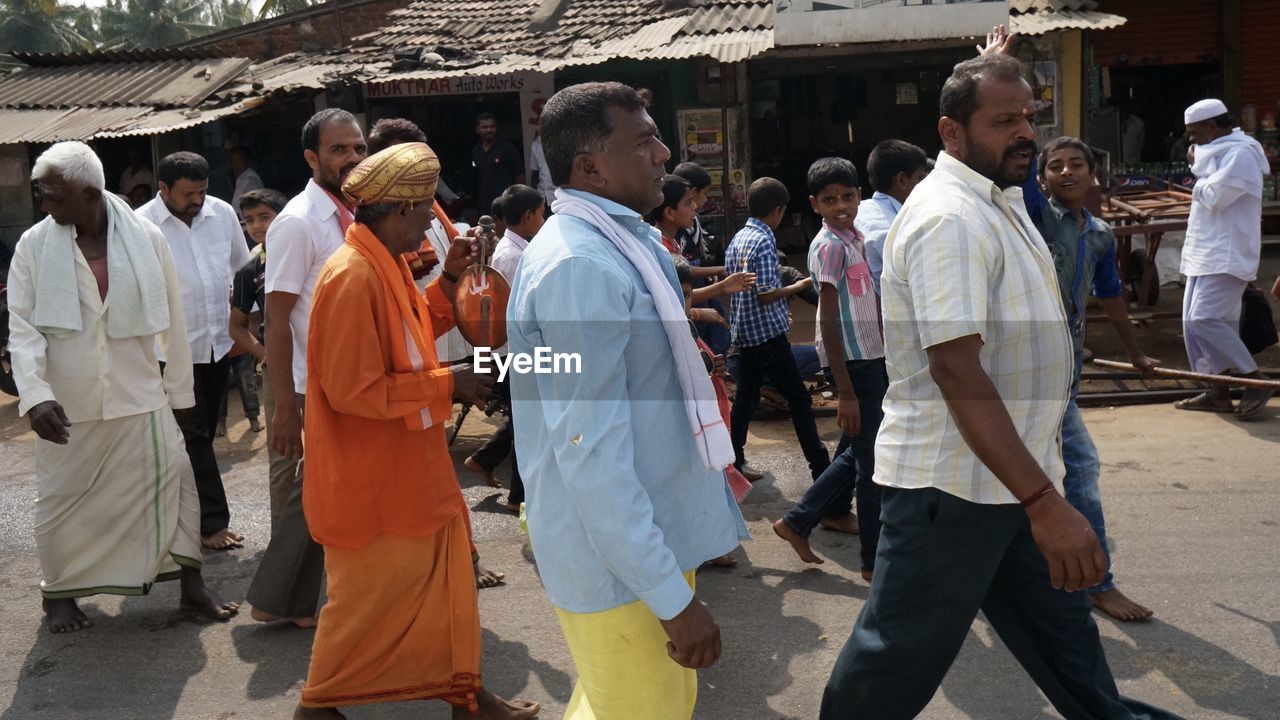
{"x":380,"y":494}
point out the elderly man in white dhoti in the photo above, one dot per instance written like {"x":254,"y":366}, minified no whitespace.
{"x":1221,"y":252}
{"x":93,"y":296}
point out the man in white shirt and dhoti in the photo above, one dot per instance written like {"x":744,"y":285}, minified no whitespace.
{"x":1220,"y":253}
{"x":92,"y":293}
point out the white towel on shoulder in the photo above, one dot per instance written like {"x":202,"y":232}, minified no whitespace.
{"x":136,"y":291}
{"x":710,"y":434}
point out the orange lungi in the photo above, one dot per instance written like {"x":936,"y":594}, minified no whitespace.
{"x":401,"y":623}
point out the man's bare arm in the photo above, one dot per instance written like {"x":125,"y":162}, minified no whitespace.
{"x":1075,"y":558}
{"x":286,"y":429}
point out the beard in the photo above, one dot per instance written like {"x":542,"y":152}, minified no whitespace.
{"x":332,"y":181}
{"x":1002,"y":170}
{"x":188,"y":213}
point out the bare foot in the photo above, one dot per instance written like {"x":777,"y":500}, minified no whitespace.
{"x":264,"y":616}
{"x":513,"y":507}
{"x":1114,"y":603}
{"x":486,"y":578}
{"x":224,"y":539}
{"x":724,"y":561}
{"x":493,"y":707}
{"x":306,"y":713}
{"x":798,"y":542}
{"x":485,"y":475}
{"x":847,"y":523}
{"x":198,"y":598}
{"x":65,"y":616}
{"x":866,"y":575}
{"x":255,"y":425}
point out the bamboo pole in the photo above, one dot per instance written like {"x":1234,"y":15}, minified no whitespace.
{"x":1201,"y":377}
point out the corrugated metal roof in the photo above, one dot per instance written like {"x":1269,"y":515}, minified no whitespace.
{"x":645,"y":39}
{"x":1038,"y":23}
{"x":726,"y":47}
{"x":1026,"y":6}
{"x":304,"y":71}
{"x":157,"y":83}
{"x":163,"y":121}
{"x":116,"y":56}
{"x":730,"y":15}
{"x":43,"y":126}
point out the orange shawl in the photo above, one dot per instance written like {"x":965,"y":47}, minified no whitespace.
{"x":406,"y":305}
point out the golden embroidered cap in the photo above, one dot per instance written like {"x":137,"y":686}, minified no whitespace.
{"x":404,"y":173}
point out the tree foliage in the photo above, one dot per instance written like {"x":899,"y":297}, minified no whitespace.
{"x":50,"y":26}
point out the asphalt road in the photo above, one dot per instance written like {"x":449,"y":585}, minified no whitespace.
{"x":1192,"y":500}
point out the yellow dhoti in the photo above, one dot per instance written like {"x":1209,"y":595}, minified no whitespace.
{"x":401,"y":623}
{"x":624,"y":672}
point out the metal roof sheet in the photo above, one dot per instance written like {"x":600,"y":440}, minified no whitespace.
{"x":43,"y":126}
{"x":1038,"y":23}
{"x":156,"y":83}
{"x":163,"y":121}
{"x":730,"y":15}
{"x":114,"y":56}
{"x":1024,"y":6}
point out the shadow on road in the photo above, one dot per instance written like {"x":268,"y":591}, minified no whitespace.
{"x":1209,"y":674}
{"x":135,"y":664}
{"x":508,"y":668}
{"x":763,"y":632}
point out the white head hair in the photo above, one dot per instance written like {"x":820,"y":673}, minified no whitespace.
{"x":73,"y":161}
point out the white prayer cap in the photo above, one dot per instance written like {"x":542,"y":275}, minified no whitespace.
{"x":1207,"y":109}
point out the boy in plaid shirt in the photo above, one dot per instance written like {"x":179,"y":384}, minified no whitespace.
{"x":760,"y":323}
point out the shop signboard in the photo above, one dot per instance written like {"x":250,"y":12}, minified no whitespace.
{"x":813,"y":22}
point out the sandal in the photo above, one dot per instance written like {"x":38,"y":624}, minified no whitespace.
{"x":1253,"y":402}
{"x":1202,"y":403}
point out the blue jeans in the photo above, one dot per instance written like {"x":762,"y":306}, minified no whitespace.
{"x":1080,"y":486}
{"x":853,"y":467}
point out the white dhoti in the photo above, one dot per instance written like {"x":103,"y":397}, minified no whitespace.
{"x":1211,"y":324}
{"x":116,"y":508}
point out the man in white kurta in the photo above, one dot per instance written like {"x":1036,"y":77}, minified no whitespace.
{"x":92,"y":293}
{"x":1220,"y":254}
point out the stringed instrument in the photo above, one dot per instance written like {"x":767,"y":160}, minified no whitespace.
{"x":480,"y":301}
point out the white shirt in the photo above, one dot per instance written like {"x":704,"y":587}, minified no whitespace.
{"x":302,"y":237}
{"x":451,"y":346}
{"x":1224,"y":230}
{"x":207,"y":255}
{"x":538,"y":164}
{"x":506,"y":256}
{"x":130,"y":179}
{"x":962,"y":259}
{"x":245,"y":181}
{"x":92,"y":375}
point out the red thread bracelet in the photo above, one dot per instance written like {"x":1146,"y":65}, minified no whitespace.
{"x":1034,"y":497}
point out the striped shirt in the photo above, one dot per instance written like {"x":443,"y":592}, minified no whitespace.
{"x":754,"y":250}
{"x":838,"y":258}
{"x":964,"y":259}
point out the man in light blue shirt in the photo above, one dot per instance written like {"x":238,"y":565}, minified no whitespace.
{"x":621,"y":506}
{"x":894,"y":167}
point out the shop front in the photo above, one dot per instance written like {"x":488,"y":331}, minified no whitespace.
{"x":446,"y":109}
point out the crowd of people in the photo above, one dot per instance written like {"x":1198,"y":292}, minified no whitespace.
{"x":950,"y":316}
